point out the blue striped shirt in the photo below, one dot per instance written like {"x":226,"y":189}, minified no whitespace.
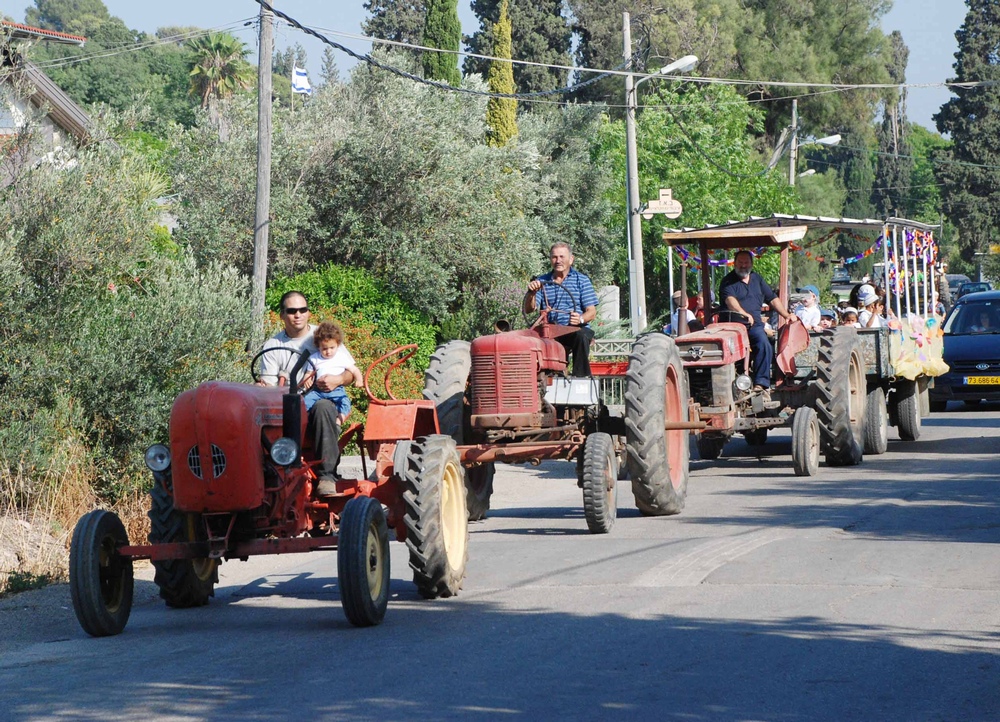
{"x":575,"y":293}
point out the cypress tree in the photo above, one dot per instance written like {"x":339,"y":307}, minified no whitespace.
{"x":501,"y":113}
{"x":894,"y":163}
{"x":971,"y":193}
{"x":442,"y":30}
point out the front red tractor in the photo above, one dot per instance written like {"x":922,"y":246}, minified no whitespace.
{"x":238,"y":480}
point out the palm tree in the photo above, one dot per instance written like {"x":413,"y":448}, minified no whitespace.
{"x":218,"y":69}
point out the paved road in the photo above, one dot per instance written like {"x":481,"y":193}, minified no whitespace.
{"x":868,"y":593}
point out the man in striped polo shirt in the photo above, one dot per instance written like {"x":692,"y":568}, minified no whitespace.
{"x":567,"y":297}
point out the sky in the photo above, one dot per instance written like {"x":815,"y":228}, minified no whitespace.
{"x":928,"y":28}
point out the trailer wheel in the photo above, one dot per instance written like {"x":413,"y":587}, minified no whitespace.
{"x":876,"y":422}
{"x":599,"y":480}
{"x":658,"y":459}
{"x":805,"y":442}
{"x":183,"y":583}
{"x":840,"y":398}
{"x":445,"y":383}
{"x":907,"y":410}
{"x":100,"y":579}
{"x":756,"y":437}
{"x":436,"y":516}
{"x":710,"y":447}
{"x":363,"y":562}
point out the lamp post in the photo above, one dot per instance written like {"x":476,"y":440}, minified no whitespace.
{"x":637,"y":276}
{"x":794,"y":145}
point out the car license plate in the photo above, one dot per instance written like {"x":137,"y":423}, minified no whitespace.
{"x":982,"y":380}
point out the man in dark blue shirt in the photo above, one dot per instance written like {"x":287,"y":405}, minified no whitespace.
{"x":566,"y":297}
{"x":743,"y":292}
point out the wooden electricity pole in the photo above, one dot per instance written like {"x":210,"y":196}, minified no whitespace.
{"x":261,"y":223}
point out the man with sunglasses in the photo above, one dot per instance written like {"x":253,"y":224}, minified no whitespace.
{"x":275,"y":370}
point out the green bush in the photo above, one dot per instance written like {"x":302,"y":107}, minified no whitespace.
{"x":354,"y":293}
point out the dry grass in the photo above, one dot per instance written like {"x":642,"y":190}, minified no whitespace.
{"x":37,"y":519}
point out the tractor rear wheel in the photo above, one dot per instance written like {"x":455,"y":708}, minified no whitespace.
{"x":840,"y":401}
{"x":183,"y":582}
{"x":876,"y":422}
{"x":805,"y":442}
{"x":436,"y":516}
{"x":908,"y":410}
{"x":363,"y":561}
{"x":445,"y":383}
{"x":599,"y":479}
{"x":658,"y":459}
{"x":100,"y":579}
{"x":710,"y":447}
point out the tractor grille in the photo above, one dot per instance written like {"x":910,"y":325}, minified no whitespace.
{"x":510,"y":386}
{"x":218,"y":462}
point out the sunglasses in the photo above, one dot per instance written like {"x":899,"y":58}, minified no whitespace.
{"x":293,"y":311}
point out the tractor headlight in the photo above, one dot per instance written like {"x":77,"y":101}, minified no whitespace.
{"x":284,"y":451}
{"x":744,"y":383}
{"x":157,"y":458}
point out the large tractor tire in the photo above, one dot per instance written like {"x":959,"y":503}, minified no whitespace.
{"x":100,"y":579}
{"x":436,"y":516}
{"x":840,"y":399}
{"x":876,"y":422}
{"x":599,"y":478}
{"x":445,"y":383}
{"x":183,"y":582}
{"x":657,"y":394}
{"x":363,"y":562}
{"x":805,"y":442}
{"x":907,"y":410}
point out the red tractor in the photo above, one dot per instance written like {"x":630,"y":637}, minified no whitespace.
{"x":237,"y":480}
{"x":506,"y":397}
{"x":818,"y":384}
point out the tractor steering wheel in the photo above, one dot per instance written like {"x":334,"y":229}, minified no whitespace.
{"x":303,"y":361}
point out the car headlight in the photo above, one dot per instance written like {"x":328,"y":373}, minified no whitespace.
{"x":284,"y":451}
{"x":157,"y":458}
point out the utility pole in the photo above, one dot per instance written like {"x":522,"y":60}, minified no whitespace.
{"x":636,"y":273}
{"x":261,"y":223}
{"x":793,"y":155}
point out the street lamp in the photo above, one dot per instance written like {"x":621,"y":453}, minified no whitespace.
{"x":637,"y":276}
{"x":793,"y":155}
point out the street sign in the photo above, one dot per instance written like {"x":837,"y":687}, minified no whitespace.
{"x":995,"y":248}
{"x":665,"y":205}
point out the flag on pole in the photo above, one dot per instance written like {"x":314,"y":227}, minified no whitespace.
{"x":300,"y":81}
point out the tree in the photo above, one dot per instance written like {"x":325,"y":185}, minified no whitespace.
{"x":219,"y":69}
{"x":398,"y":20}
{"x":329,"y":74}
{"x":855,"y":158}
{"x":501,"y":113}
{"x":539,"y":33}
{"x":293,"y":56}
{"x":968,"y":170}
{"x":894,"y":164}
{"x":77,"y":17}
{"x":442,"y":30}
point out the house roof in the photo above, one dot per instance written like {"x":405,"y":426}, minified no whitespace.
{"x":62,"y":109}
{"x":27,"y":32}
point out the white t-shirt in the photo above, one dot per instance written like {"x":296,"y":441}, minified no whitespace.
{"x":674,"y":320}
{"x":810,"y":315}
{"x":336,"y":364}
{"x":863,"y":320}
{"x":279,"y":364}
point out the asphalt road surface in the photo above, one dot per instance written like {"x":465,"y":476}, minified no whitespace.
{"x":864,"y":593}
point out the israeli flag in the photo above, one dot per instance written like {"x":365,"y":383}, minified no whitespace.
{"x":300,"y":81}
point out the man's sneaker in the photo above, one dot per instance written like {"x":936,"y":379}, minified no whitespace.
{"x":326,"y":487}
{"x":764,"y":392}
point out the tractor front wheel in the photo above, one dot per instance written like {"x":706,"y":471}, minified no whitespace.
{"x":876,"y":422}
{"x":658,"y":458}
{"x":363,"y":562}
{"x":183,"y":583}
{"x":599,"y":479}
{"x":100,"y":579}
{"x":805,"y":442}
{"x":436,"y":516}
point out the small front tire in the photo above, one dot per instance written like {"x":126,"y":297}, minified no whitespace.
{"x":805,"y":442}
{"x":100,"y":579}
{"x":599,"y":481}
{"x":876,"y":422}
{"x":363,"y":562}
